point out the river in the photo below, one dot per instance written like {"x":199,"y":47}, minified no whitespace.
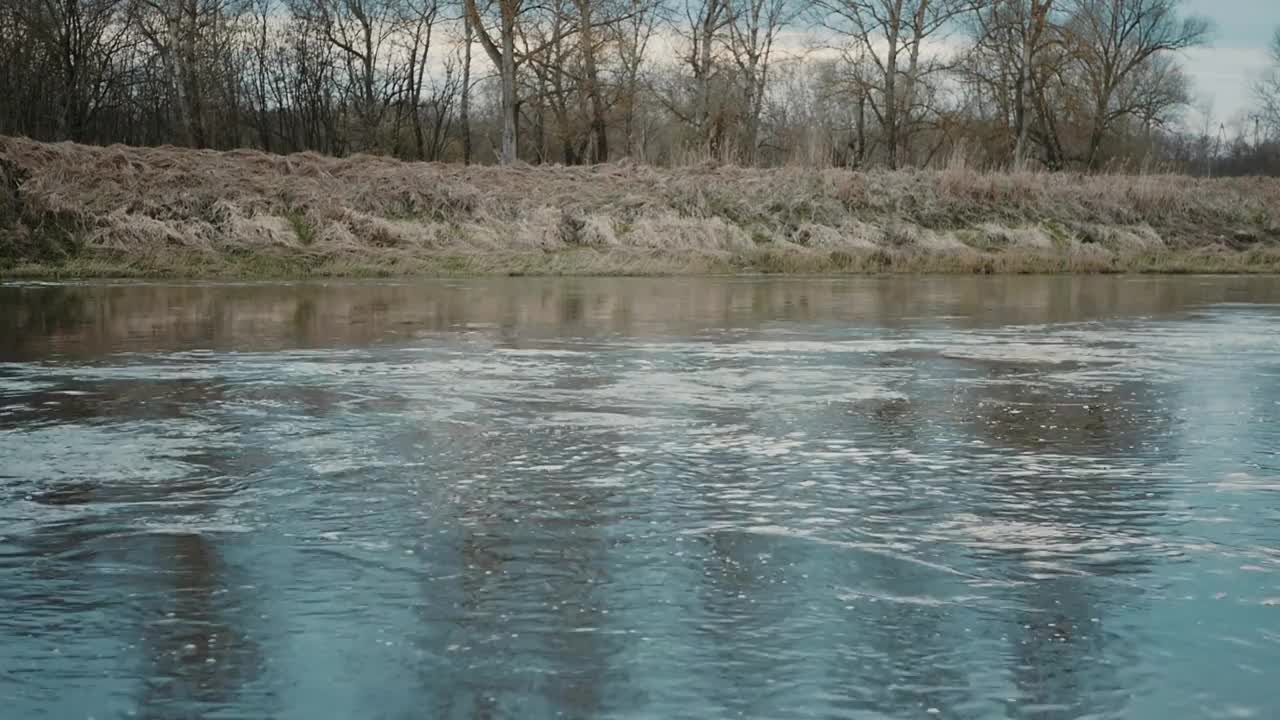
{"x":974,"y":497}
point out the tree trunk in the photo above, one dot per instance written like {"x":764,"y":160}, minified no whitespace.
{"x":1023,"y":92}
{"x":415,"y":108}
{"x":591,"y":81}
{"x":861,"y":128}
{"x":504,"y":58}
{"x":629,"y":121}
{"x":186,"y":42}
{"x":913,"y":71}
{"x":1098,"y":130}
{"x":890,"y":95}
{"x":169,"y":57}
{"x":752,"y":101}
{"x":509,"y":150}
{"x":1030,"y":40}
{"x":1052,"y":145}
{"x":465,"y":110}
{"x":1020,"y":111}
{"x":909,"y":99}
{"x":708,"y":30}
{"x":629,"y":109}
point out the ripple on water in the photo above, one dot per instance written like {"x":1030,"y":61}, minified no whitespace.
{"x":883,"y":519}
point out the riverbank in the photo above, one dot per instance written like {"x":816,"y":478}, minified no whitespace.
{"x":70,"y":210}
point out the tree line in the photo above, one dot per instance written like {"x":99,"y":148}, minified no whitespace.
{"x":1056,"y":84}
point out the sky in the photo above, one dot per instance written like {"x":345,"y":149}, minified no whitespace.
{"x":1224,"y":71}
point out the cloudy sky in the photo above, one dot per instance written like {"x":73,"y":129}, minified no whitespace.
{"x":1224,"y":71}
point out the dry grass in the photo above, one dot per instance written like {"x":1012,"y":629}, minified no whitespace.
{"x":91,"y":211}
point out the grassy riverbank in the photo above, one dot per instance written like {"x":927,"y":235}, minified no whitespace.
{"x":71,"y":210}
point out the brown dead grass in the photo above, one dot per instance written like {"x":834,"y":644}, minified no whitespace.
{"x":94,"y":211}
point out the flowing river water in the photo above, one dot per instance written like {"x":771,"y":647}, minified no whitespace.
{"x":967,"y":497}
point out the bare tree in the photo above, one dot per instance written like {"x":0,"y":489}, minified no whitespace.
{"x":555,"y":87}
{"x":701,"y":24}
{"x":754,"y":25}
{"x":1267,"y":91}
{"x":1114,"y":41}
{"x":468,"y":39}
{"x":1061,"y":82}
{"x":588,"y":47}
{"x":502,"y":52}
{"x":363,"y":33}
{"x":892,"y":33}
{"x":418,"y":22}
{"x":631,"y":37}
{"x":1013,"y":57}
{"x":174,"y":29}
{"x":87,"y":39}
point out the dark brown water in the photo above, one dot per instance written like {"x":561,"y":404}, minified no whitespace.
{"x":904,"y":497}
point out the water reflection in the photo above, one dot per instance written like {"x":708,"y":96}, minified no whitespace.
{"x":905,"y":497}
{"x":197,"y":659}
{"x":91,"y":319}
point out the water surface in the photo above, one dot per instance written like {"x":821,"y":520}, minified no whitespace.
{"x":517,"y":498}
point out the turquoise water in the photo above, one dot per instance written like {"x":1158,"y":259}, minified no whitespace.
{"x":905,"y":498}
